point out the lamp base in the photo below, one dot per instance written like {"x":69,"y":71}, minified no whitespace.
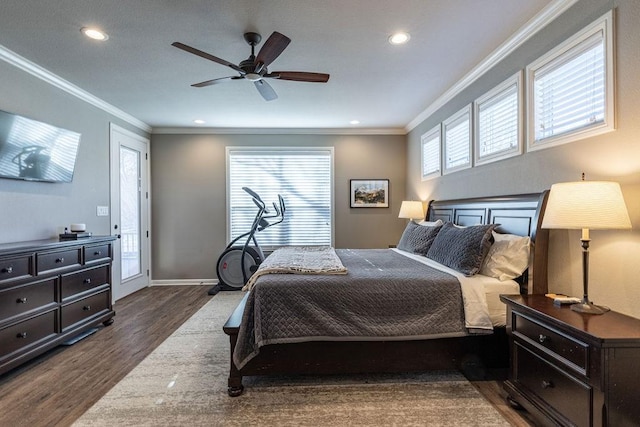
{"x":589,"y":308}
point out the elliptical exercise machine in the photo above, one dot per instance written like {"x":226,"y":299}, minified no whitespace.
{"x":237,"y":263}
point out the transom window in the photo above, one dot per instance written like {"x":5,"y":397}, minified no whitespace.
{"x":430,"y":153}
{"x":457,"y":141}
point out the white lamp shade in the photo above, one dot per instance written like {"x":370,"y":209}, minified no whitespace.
{"x":596,"y":205}
{"x":411,"y":210}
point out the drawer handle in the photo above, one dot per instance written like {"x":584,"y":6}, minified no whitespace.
{"x":547,"y":384}
{"x":96,"y":253}
{"x":21,"y":335}
{"x":543,"y":339}
{"x":87,"y":308}
{"x":8,"y":270}
{"x":22,"y":300}
{"x":86,"y":281}
{"x":59,"y":260}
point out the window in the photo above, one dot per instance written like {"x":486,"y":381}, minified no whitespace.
{"x":497,"y":117}
{"x":304,"y":178}
{"x":430,"y":153}
{"x":457,"y":141}
{"x":571,"y":88}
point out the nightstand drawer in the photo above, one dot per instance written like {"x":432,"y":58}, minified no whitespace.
{"x":24,"y":299}
{"x":567,"y":395}
{"x":569,"y":350}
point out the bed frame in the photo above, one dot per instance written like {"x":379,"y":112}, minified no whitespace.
{"x":519,"y":214}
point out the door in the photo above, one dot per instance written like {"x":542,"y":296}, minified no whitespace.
{"x":129,"y":211}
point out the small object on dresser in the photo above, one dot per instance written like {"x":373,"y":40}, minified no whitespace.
{"x":75,"y":236}
{"x":563,"y":300}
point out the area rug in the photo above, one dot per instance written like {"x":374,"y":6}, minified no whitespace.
{"x":184,"y":383}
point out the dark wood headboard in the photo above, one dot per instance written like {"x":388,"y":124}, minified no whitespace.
{"x":519,"y":214}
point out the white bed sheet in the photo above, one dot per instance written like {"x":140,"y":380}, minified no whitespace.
{"x":481,"y":294}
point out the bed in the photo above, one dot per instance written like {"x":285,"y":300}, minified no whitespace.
{"x":392,"y":346}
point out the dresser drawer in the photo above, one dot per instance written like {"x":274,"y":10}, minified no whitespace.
{"x":48,"y":261}
{"x":84,"y":309}
{"x":28,"y":298}
{"x":15,"y":268}
{"x":83,"y":281}
{"x":568,"y":350}
{"x":97,"y":253}
{"x":27,"y":333}
{"x":567,"y":395}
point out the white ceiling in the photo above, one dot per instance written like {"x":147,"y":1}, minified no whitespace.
{"x":383,"y":86}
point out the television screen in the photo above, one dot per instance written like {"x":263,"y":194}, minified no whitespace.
{"x":36,"y":151}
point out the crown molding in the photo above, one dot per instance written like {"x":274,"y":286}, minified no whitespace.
{"x":276,"y":131}
{"x":533,"y":26}
{"x":47,"y":76}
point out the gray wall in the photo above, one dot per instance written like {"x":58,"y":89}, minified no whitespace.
{"x":188,"y":181}
{"x":31,"y":210}
{"x":613,"y":156}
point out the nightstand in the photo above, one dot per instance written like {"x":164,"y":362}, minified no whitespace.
{"x":569,"y":368}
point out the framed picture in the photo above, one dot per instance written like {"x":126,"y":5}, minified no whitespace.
{"x":369,"y":193}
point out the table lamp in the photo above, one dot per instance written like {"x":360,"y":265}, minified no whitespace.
{"x":411,"y":210}
{"x":585,"y":205}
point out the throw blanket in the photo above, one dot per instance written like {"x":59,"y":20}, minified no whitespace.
{"x":383,"y":296}
{"x":299,"y":260}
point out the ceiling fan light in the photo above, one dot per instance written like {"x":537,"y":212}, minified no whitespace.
{"x":253,"y":77}
{"x":399,"y":38}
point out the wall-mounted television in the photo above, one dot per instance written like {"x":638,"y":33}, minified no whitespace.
{"x":36,"y":151}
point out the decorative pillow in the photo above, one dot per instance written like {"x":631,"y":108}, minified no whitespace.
{"x":417,"y":239}
{"x":431,"y":223}
{"x":508,"y":257}
{"x":462,"y":248}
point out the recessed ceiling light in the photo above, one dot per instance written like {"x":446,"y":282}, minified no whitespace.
{"x":355,"y":122}
{"x":94,"y":33}
{"x":199,"y":121}
{"x":399,"y":38}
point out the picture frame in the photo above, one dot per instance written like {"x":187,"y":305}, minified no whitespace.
{"x":369,"y":193}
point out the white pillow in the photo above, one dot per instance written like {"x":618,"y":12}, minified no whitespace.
{"x":431,"y":223}
{"x":508,"y":256}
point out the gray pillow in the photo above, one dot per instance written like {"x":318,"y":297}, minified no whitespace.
{"x":417,"y":239}
{"x":462,"y":248}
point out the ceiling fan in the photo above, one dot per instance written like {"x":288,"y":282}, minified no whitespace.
{"x":254,"y":68}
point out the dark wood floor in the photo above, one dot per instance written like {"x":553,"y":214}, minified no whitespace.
{"x":58,"y":387}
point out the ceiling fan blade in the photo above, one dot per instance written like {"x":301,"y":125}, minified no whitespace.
{"x":271,"y":49}
{"x":265,"y":90}
{"x":299,"y":76}
{"x":208,"y":56}
{"x":216,"y":81}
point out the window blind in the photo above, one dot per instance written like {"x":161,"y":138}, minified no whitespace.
{"x":303,"y":177}
{"x":457,"y":141}
{"x":498,"y":123}
{"x":569,"y":92}
{"x":431,"y":153}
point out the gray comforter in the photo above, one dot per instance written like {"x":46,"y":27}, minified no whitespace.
{"x":384,"y":296}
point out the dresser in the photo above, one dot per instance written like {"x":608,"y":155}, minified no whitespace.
{"x":50,"y":292}
{"x":570,"y":368}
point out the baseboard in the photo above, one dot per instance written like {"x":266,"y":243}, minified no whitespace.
{"x":184,"y":282}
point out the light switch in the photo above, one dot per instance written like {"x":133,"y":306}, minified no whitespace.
{"x":102,"y":211}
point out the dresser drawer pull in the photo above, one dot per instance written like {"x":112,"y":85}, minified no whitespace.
{"x":60,"y":260}
{"x":543,"y":338}
{"x":21,"y":335}
{"x":547,"y":384}
{"x":97,"y":253}
{"x":22,"y":300}
{"x":8,"y":270}
{"x":87,"y":308}
{"x":87,"y":281}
